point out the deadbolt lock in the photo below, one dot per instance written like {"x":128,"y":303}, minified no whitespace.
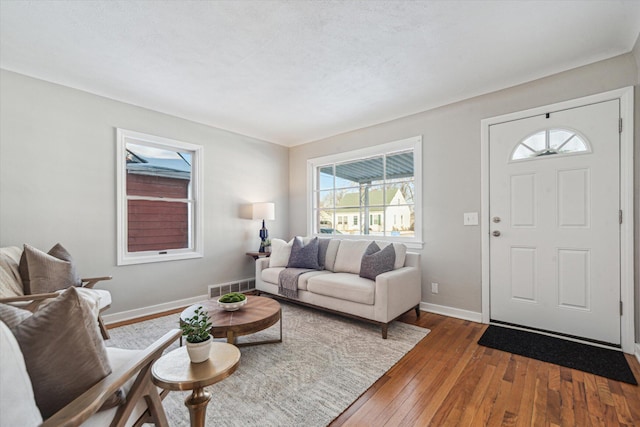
{"x":496,"y":219}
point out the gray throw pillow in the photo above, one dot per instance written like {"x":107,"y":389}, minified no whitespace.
{"x":304,"y":256}
{"x":47,"y":272}
{"x":376,"y":261}
{"x":64,"y":352}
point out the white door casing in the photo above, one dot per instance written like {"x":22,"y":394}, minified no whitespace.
{"x":572,"y":211}
{"x":556,"y":264}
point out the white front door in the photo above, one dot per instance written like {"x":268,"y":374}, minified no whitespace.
{"x":554,"y":211}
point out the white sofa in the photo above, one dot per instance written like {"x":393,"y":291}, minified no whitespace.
{"x":339,"y":288}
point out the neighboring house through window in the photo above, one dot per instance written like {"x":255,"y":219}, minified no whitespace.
{"x":368,"y":192}
{"x":159,"y":199}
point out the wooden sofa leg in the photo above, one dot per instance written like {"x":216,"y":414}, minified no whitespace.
{"x":385,"y":327}
{"x":417,"y":309}
{"x":103,"y":329}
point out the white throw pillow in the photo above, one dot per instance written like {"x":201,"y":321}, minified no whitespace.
{"x":401,"y":253}
{"x":280,"y":252}
{"x":349,"y":257}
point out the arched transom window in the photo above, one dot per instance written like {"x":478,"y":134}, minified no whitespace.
{"x":550,"y":142}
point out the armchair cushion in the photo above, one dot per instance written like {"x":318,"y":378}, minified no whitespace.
{"x":13,"y":316}
{"x":64,"y":352}
{"x":47,"y":272}
{"x":17,"y":404}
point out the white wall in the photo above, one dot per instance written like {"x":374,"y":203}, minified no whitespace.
{"x":451,"y":170}
{"x":57,"y":184}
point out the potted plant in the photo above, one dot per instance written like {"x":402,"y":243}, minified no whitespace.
{"x":196,"y":331}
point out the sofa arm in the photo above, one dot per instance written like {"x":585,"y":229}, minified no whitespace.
{"x":397,"y":292}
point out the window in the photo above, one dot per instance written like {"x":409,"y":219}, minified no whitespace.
{"x":550,"y":142}
{"x":374,"y":186}
{"x":159,"y":199}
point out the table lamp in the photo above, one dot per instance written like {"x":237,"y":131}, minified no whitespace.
{"x":264,"y":211}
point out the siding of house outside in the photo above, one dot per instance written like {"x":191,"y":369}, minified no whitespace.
{"x":157,"y":225}
{"x":396,"y":219}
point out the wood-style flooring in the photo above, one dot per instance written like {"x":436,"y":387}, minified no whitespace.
{"x":449,"y":380}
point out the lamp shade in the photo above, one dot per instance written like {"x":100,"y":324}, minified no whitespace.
{"x":264,"y":211}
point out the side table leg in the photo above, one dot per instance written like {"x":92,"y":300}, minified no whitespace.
{"x":197,"y":405}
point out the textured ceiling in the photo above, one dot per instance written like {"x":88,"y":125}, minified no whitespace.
{"x":290,"y":72}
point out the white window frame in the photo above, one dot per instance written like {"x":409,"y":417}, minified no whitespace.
{"x":196,"y":242}
{"x":413,"y":143}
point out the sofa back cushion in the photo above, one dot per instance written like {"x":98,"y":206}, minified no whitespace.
{"x":10,"y":281}
{"x":331,"y":253}
{"x":349,"y":256}
{"x":17,"y":405}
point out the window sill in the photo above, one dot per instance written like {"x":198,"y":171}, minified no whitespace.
{"x":155,"y":257}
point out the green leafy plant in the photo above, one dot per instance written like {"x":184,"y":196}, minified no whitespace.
{"x":232,"y":297}
{"x":196,"y":328}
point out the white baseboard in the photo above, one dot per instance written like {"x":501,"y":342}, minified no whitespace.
{"x":151,"y":309}
{"x":638,"y":351}
{"x":459,"y":313}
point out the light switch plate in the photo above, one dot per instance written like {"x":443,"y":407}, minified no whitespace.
{"x":471,"y":218}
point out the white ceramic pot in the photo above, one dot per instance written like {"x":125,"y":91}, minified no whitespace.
{"x":199,"y":352}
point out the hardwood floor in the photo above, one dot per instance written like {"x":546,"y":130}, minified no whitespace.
{"x":449,"y":380}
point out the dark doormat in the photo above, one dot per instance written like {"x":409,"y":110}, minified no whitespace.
{"x":595,"y":360}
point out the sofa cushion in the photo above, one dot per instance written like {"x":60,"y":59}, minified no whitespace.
{"x":401,"y":252}
{"x":345,"y":286}
{"x":270,"y":275}
{"x":376,"y":261}
{"x":280,"y":251}
{"x":304,"y":255}
{"x":63,"y":351}
{"x":349,"y":256}
{"x":13,"y":316}
{"x":47,"y":272}
{"x":330,"y":256}
{"x":17,"y":403}
{"x":10,"y":281}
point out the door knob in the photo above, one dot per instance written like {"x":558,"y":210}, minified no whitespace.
{"x":496,"y":233}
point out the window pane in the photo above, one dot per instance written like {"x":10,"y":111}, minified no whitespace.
{"x":400,"y":221}
{"x":400,"y":165}
{"x":557,"y":137}
{"x":154,"y":172}
{"x":362,"y":171}
{"x":157,"y":225}
{"x":401,"y":193}
{"x":325,"y":221}
{"x":325,"y":178}
{"x":523,"y":152}
{"x":574,"y":145}
{"x":537,"y":141}
{"x":347,"y":198}
{"x":325,"y":199}
{"x":372,"y":195}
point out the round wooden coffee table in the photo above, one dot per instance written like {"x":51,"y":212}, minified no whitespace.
{"x":257,"y":314}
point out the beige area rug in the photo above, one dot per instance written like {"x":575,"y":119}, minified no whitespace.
{"x":324,"y":363}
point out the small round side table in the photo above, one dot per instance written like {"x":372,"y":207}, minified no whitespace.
{"x":174,"y":371}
